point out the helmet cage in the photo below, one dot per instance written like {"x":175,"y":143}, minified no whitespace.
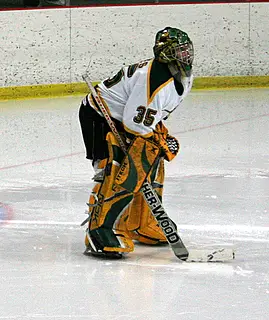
{"x":174,"y":45}
{"x":182,"y":52}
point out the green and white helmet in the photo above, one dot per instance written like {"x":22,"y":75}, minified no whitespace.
{"x":172,"y":44}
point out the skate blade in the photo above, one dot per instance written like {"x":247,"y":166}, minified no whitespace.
{"x":103,"y":255}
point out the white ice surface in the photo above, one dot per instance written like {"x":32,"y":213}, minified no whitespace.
{"x":217,"y":190}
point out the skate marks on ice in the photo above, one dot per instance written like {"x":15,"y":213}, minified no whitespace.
{"x":46,"y":260}
{"x":195,"y":236}
{"x":250,"y":244}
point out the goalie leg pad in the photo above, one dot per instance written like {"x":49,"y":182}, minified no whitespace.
{"x":137,"y":220}
{"x":106,"y":205}
{"x":137,"y":164}
{"x":140,"y":223}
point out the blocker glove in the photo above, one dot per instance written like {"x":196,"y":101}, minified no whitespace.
{"x":168,"y":144}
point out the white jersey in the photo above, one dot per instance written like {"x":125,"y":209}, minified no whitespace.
{"x":141,"y":95}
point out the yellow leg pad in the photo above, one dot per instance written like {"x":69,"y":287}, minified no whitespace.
{"x":112,"y":199}
{"x":86,"y":241}
{"x":110,"y":202}
{"x":138,"y":220}
{"x":137,"y":164}
{"x":148,"y":230}
{"x":95,"y":190}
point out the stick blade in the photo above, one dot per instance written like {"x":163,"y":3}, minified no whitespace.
{"x":211,"y":255}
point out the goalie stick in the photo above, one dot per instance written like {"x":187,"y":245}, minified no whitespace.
{"x":157,"y":208}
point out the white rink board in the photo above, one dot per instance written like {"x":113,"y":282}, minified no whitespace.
{"x":57,"y":46}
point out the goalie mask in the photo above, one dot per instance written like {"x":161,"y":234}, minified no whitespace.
{"x":174,"y":47}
